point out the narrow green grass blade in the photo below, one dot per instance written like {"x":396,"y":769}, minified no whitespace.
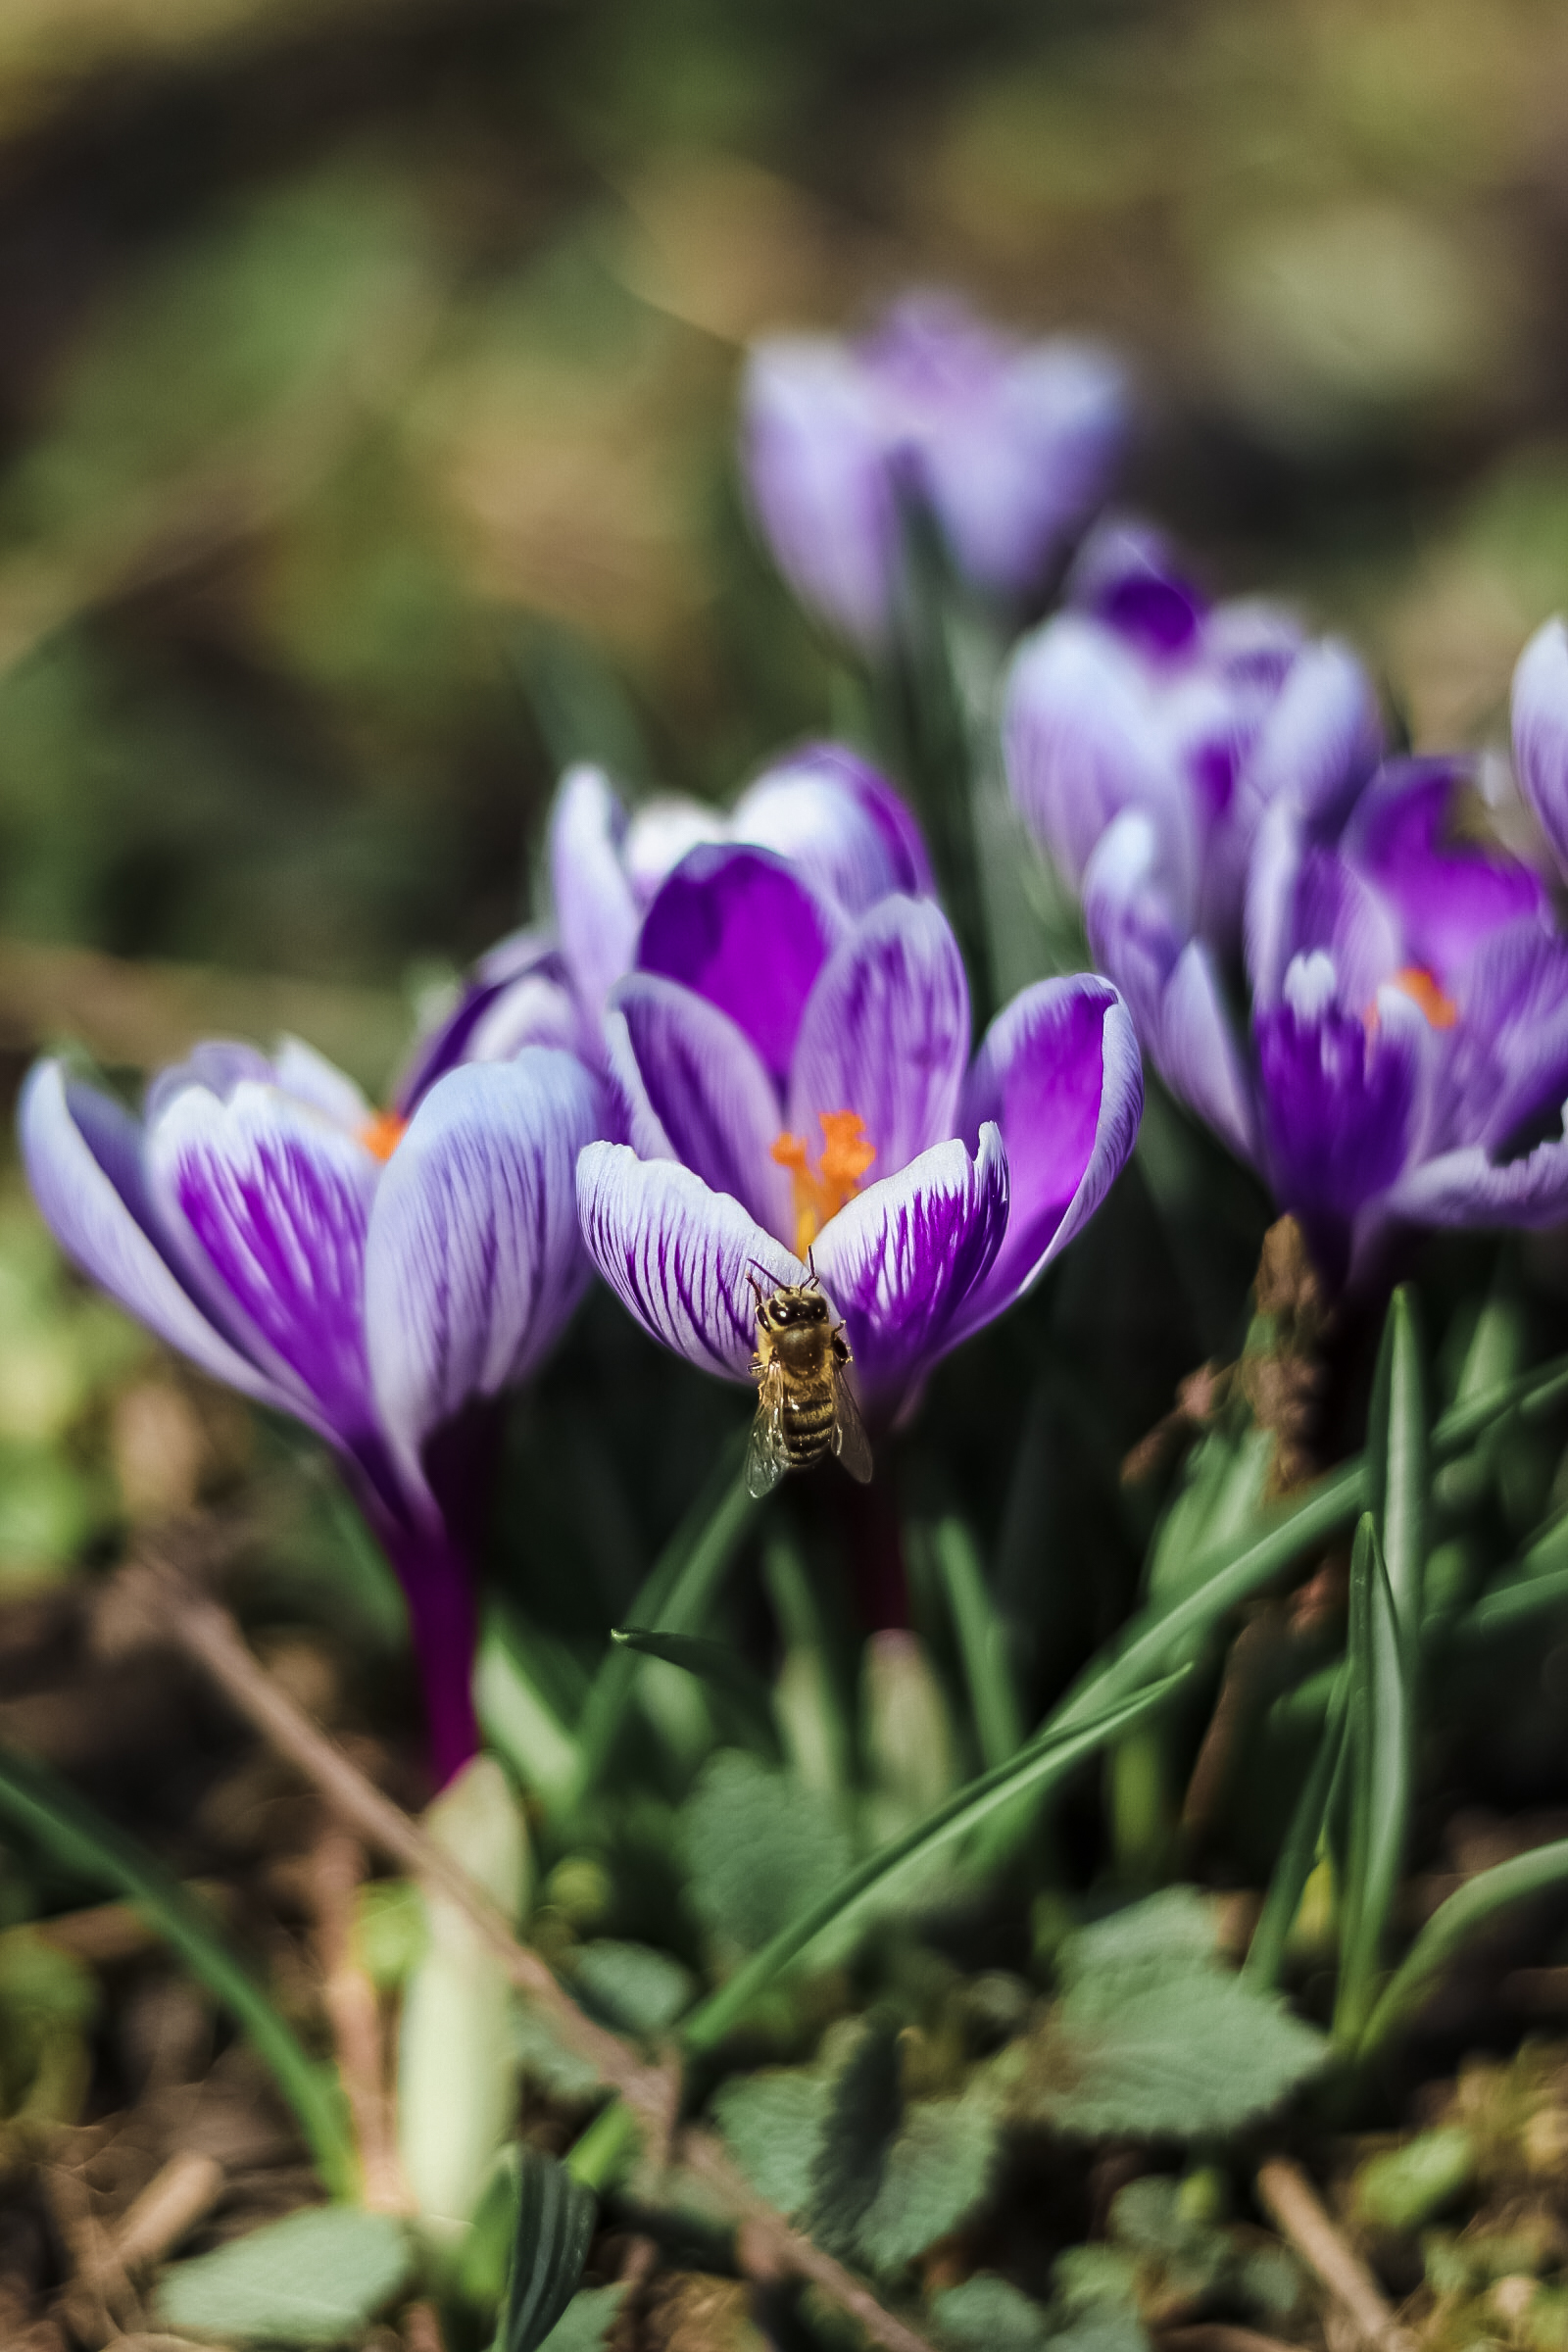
{"x":557,"y":2215}
{"x":747,"y":1696}
{"x":982,"y":1642}
{"x":1298,"y":1853}
{"x":1453,"y":1923}
{"x":1397,"y":1463}
{"x":75,"y":1835}
{"x":675,"y":1599}
{"x":1044,"y":1761}
{"x":1378,"y":1730}
{"x":1540,"y":1581}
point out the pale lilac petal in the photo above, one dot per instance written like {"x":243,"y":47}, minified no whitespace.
{"x":900,"y":1260}
{"x":1197,"y":1053}
{"x":740,"y":928}
{"x":310,"y":1078}
{"x":886,"y":1035}
{"x":681,"y":1258}
{"x":1540,"y":732}
{"x":1082,"y":743}
{"x":713,"y":1105}
{"x":1321,"y":737}
{"x":219,"y":1064}
{"x":839,"y":823}
{"x":83,"y":1157}
{"x":816,"y":465}
{"x":535,"y":1011}
{"x":596,"y":915}
{"x":517,"y":994}
{"x":660,"y":833}
{"x":1059,"y":1072}
{"x":267,"y":1203}
{"x":1466,"y":1187}
{"x":1508,"y":1057}
{"x":473,"y":1261}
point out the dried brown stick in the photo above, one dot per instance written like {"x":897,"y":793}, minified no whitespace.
{"x":1294,"y":2206}
{"x":354,"y":2015}
{"x":768,"y":2244}
{"x":170,"y":2205}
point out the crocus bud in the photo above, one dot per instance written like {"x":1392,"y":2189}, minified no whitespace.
{"x":909,"y":1736}
{"x":1540,"y":732}
{"x":457,"y":2078}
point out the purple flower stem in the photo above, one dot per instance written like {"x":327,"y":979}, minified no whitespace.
{"x":876,"y":1556}
{"x":443,"y":1624}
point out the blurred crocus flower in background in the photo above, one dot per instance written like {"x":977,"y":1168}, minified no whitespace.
{"x":794,"y":1077}
{"x":822,"y":810}
{"x":1009,"y":446}
{"x":1140,"y":695}
{"x":379,"y":1279}
{"x":1408,"y":1051}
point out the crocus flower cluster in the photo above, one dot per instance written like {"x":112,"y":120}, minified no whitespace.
{"x":379,"y":1279}
{"x":1009,"y":446}
{"x":795,"y":1086}
{"x":1407,"y":1055}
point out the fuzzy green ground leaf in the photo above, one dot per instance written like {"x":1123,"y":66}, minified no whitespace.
{"x":762,"y":1849}
{"x":315,"y":2277}
{"x":637,"y":1988}
{"x":586,"y":2320}
{"x":937,"y":2169}
{"x":987,"y":2313}
{"x":775,"y":2122}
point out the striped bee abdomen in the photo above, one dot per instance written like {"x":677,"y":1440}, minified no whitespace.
{"x":806,"y":1425}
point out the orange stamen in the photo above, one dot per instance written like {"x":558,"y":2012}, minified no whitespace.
{"x":382,"y":1134}
{"x":1422,"y":988}
{"x":822,"y":1192}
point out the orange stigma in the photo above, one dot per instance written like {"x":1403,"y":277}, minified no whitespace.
{"x":1423,"y":990}
{"x":820,"y":1194}
{"x":382,"y":1134}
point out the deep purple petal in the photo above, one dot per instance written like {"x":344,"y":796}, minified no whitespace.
{"x":1540,"y":732}
{"x":900,"y":1262}
{"x":1082,"y":743}
{"x":83,"y":1157}
{"x":886,"y":1035}
{"x":1508,"y":1058}
{"x":596,"y":915}
{"x":473,"y":1261}
{"x":681,"y":1258}
{"x":267,"y":1203}
{"x":1124,"y":577}
{"x":698,"y":1075}
{"x":839,"y":823}
{"x":815,"y":464}
{"x":738,"y":927}
{"x":1448,"y":900}
{"x":1338,"y":1098}
{"x":1466,"y":1187}
{"x":1059,"y":1072}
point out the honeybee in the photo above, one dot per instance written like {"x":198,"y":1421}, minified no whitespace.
{"x":804,"y":1406}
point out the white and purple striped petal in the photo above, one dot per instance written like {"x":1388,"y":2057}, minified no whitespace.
{"x":886,"y":1034}
{"x":265,"y":1203}
{"x":683,"y":1260}
{"x":839,"y":823}
{"x":903,"y":1259}
{"x":596,"y":913}
{"x":83,"y":1157}
{"x":472,"y":1258}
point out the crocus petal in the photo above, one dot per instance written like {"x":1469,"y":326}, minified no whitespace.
{"x":267,"y":1203}
{"x":1081,"y":745}
{"x":839,"y":823}
{"x":712,"y":1104}
{"x":886,"y":1034}
{"x":1540,"y":732}
{"x":740,"y":928}
{"x":517,"y":994}
{"x":1198,"y":1054}
{"x":1320,"y":738}
{"x":310,"y":1078}
{"x":83,"y":1157}
{"x":1337,"y":1100}
{"x":219,"y":1064}
{"x":472,"y":1261}
{"x":1059,"y":1072}
{"x":816,"y":468}
{"x":660,"y":833}
{"x":900,"y":1262}
{"x":596,"y":915}
{"x":1467,"y":1187}
{"x":683,"y":1260}
{"x":1448,"y":900}
{"x":1508,"y":1062}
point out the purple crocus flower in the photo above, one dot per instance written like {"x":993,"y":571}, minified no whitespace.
{"x":793,"y":1078}
{"x":1409,"y":1048}
{"x":379,"y":1282}
{"x":1139,"y":695}
{"x":1010,"y":447}
{"x":822,"y":810}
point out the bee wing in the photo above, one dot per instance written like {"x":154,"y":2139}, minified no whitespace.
{"x":850,"y":1441}
{"x":765,"y":1458}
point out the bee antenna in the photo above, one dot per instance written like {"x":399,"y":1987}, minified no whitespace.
{"x":810,"y":1268}
{"x":750,"y":1261}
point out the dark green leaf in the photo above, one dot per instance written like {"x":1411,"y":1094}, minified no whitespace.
{"x":983,"y":1642}
{"x":1397,"y":1463}
{"x":864,"y":2112}
{"x":774,"y":2121}
{"x":1298,"y":1854}
{"x":587,"y":2320}
{"x":987,"y":2314}
{"x":1537,"y":1873}
{"x":635,"y":1986}
{"x":761,"y":1848}
{"x":720,"y":1666}
{"x":556,"y":2221}
{"x":937,"y":2169}
{"x":1378,"y":1751}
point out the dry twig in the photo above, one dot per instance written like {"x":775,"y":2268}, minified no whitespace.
{"x":1298,"y":2213}
{"x":354,"y":2013}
